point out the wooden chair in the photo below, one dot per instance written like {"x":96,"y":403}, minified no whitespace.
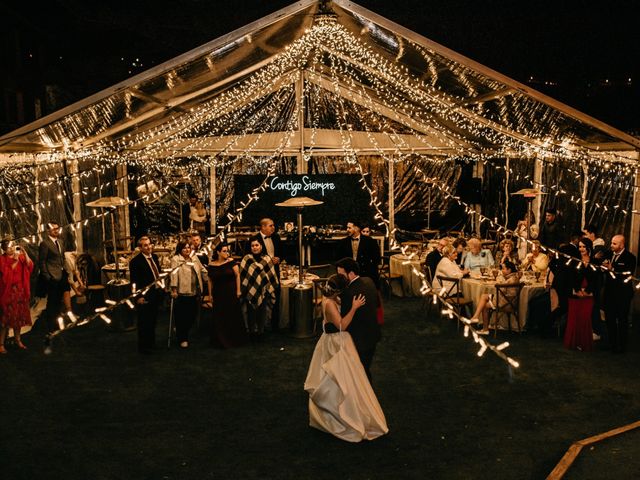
{"x":387,"y":279}
{"x":427,"y":300}
{"x":454,"y":295}
{"x":507,"y":302}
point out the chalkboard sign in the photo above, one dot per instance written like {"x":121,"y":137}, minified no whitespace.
{"x":342,"y":194}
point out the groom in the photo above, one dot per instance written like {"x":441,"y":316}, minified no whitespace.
{"x":364,"y":328}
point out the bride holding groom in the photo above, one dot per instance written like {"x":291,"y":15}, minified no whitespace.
{"x":341,"y":400}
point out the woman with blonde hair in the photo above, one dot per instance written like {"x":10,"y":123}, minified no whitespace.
{"x":507,"y":252}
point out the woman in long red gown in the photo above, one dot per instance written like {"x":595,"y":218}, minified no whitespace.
{"x":586,"y":282}
{"x":15,"y":291}
{"x":227,"y":326}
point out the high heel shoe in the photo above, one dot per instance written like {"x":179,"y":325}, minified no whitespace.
{"x":22,"y":346}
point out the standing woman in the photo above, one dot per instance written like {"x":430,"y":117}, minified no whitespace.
{"x":15,"y":291}
{"x":186,"y":289}
{"x":258,"y":280}
{"x":586,"y":282}
{"x":227,"y":327}
{"x":525,"y":233}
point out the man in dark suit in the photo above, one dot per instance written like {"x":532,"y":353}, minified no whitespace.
{"x":144,"y":269}
{"x":51,"y":263}
{"x":364,"y":328}
{"x":618,"y":293}
{"x":435,"y":255}
{"x":272,"y":246}
{"x":364,"y":250}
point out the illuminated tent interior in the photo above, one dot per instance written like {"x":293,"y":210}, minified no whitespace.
{"x":320,"y":87}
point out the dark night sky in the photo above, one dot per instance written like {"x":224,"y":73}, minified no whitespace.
{"x":568,"y":42}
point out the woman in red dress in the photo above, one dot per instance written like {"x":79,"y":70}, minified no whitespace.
{"x":15,"y":291}
{"x":227,"y":327}
{"x":586,"y":281}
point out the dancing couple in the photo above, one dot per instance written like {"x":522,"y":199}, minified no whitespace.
{"x":341,"y":400}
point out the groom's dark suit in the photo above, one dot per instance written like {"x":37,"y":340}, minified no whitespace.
{"x":364,"y":328}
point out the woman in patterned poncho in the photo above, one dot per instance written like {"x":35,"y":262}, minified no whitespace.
{"x":258,"y":280}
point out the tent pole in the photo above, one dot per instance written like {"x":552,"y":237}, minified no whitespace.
{"x":506,"y":195}
{"x":392,"y":206}
{"x":77,"y":204}
{"x":537,"y":180}
{"x":585,"y":189}
{"x":634,"y":234}
{"x":124,"y":229}
{"x":301,"y":166}
{"x":212,"y":196}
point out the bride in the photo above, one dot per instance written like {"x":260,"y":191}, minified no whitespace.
{"x":341,"y":400}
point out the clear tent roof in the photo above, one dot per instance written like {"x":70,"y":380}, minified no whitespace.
{"x":347,"y":69}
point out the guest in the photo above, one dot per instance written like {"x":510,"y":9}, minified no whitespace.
{"x":434,"y":257}
{"x":507,"y":252}
{"x":618,"y":294}
{"x":364,"y":327}
{"x":552,"y":232}
{"x":76,"y":284}
{"x":186,"y":211}
{"x":366,"y":230}
{"x":52,"y":269}
{"x":571,"y":248}
{"x":460,"y":244}
{"x":599,"y":245}
{"x":559,"y":283}
{"x":272,"y":246}
{"x":526,"y":230}
{"x":508,"y":274}
{"x":585,"y":283}
{"x":15,"y":292}
{"x":198,"y":217}
{"x":227,"y":330}
{"x":536,"y":261}
{"x":258,"y":281}
{"x":197,"y":248}
{"x":364,"y":250}
{"x":144,"y":270}
{"x":186,"y":290}
{"x":447,"y":267}
{"x":351,"y":414}
{"x":477,"y":257}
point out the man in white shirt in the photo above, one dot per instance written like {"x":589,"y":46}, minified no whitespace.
{"x":272,"y":246}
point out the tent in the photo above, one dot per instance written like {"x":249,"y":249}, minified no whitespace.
{"x":324,"y":87}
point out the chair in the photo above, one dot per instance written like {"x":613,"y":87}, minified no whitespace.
{"x":427,"y":303}
{"x":453,"y":294}
{"x":387,"y":279}
{"x":507,"y":303}
{"x":90,"y":274}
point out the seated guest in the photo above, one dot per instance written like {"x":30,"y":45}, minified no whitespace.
{"x":535,"y":260}
{"x":585,"y":283}
{"x":460,"y":244}
{"x":507,"y":252}
{"x":447,"y":268}
{"x":435,"y":255}
{"x":508,"y":274}
{"x":477,"y":257}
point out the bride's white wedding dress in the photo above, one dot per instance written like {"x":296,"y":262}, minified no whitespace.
{"x":341,"y":400}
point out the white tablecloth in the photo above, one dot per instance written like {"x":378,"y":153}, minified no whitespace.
{"x":472,"y":288}
{"x":411,"y":283}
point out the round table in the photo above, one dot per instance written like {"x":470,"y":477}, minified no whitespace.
{"x":403,"y":265}
{"x":472,"y":288}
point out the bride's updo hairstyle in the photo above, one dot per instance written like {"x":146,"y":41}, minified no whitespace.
{"x":335,"y":285}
